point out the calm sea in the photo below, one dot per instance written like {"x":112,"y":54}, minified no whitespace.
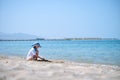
{"x":87,"y":51}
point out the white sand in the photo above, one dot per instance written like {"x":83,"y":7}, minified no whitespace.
{"x":16,"y":68}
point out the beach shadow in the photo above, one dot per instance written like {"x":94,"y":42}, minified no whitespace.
{"x":55,"y":61}
{"x":44,"y":61}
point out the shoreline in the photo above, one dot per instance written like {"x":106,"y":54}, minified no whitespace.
{"x":19,"y":69}
{"x":79,"y":62}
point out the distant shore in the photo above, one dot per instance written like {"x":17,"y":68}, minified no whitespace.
{"x":18,"y":68}
{"x":59,"y":39}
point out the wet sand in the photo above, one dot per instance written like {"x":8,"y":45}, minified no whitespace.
{"x":17,"y":68}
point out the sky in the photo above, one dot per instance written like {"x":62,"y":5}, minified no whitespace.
{"x":61,"y":18}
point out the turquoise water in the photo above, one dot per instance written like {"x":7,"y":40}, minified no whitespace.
{"x":87,"y":51}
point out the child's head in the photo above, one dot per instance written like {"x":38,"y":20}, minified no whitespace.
{"x":36,"y":45}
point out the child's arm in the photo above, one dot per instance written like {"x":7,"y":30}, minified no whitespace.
{"x":37,"y":54}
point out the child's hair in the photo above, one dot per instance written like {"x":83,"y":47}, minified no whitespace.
{"x":35,"y":48}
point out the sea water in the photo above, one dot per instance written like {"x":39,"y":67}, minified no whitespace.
{"x":85,"y":51}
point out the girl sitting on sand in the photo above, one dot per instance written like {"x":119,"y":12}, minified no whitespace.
{"x":33,"y":53}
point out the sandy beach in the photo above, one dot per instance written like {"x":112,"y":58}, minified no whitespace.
{"x":17,"y":68}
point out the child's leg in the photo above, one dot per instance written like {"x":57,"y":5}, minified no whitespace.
{"x":33,"y":58}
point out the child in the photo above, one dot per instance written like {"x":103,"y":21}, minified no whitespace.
{"x":33,"y":53}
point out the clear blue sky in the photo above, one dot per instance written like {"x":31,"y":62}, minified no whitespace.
{"x":61,"y":18}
